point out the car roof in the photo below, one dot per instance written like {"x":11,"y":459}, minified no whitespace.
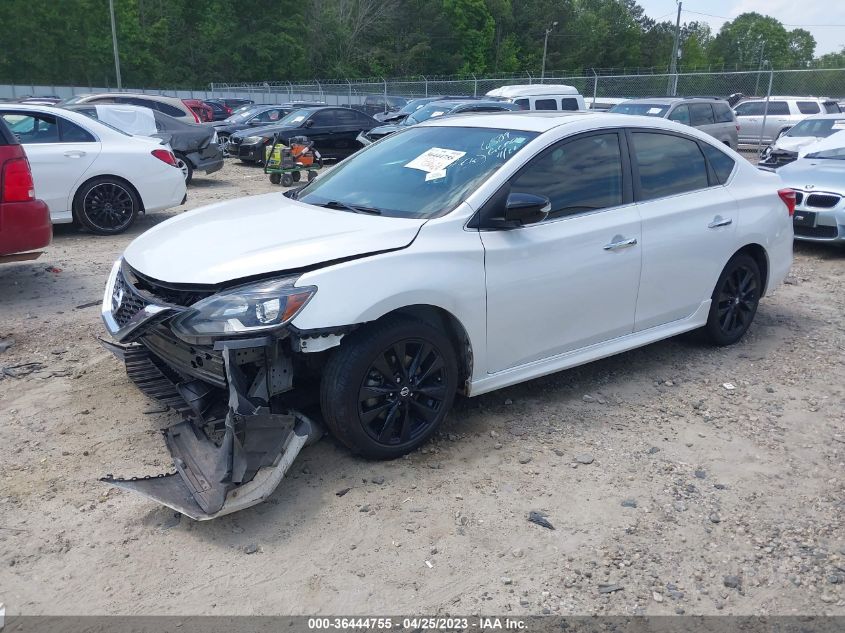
{"x":532,"y":90}
{"x":545,"y":120}
{"x":786,"y":97}
{"x":830,"y":115}
{"x":75,"y":117}
{"x":673,"y":100}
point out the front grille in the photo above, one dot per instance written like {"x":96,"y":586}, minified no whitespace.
{"x":824,"y":232}
{"x":159,"y":292}
{"x":128,"y":302}
{"x":822,"y":200}
{"x":198,"y":361}
{"x":779,"y":159}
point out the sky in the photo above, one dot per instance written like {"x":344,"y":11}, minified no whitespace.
{"x":825,"y":19}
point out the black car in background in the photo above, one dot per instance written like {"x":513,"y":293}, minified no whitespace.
{"x":257,"y":116}
{"x":194,"y":145}
{"x":379,"y":103}
{"x":441,"y":107}
{"x":333,"y":130}
{"x":221,"y":111}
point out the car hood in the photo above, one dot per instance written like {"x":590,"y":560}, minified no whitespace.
{"x":384,"y":130}
{"x":794,"y":143}
{"x":818,"y":174}
{"x":257,"y":235}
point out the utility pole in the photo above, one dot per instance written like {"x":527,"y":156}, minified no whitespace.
{"x":673,"y":65}
{"x":759,"y":67}
{"x":114,"y":43}
{"x":545,"y":47}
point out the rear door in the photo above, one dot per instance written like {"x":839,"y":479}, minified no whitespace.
{"x":59,"y":151}
{"x":689,"y":225}
{"x":321,"y":128}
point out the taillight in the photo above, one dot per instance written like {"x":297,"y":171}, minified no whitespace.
{"x":165,"y":155}
{"x":17,"y":181}
{"x":788,"y":197}
{"x":191,"y":110}
{"x":228,"y":109}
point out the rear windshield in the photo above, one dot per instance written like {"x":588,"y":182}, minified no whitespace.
{"x":820,"y":128}
{"x":644,"y":109}
{"x":428,"y":112}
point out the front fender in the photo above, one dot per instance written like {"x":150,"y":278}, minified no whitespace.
{"x":443,"y":267}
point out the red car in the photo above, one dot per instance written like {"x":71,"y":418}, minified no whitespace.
{"x":24,"y":221}
{"x":201,"y":109}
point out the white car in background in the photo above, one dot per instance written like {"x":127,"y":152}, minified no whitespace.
{"x":92,"y":173}
{"x":460,"y":255}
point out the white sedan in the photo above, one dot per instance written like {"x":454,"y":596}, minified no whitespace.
{"x":93,"y":173}
{"x":461,"y":255}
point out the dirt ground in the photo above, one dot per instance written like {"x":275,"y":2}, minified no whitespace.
{"x":678,"y":478}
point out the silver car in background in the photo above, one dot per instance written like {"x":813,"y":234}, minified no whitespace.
{"x":780,"y":115}
{"x":819,"y":184}
{"x":710,"y":115}
{"x":811,"y":130}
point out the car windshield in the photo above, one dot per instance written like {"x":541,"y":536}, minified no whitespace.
{"x":242,"y":115}
{"x":423,"y":172}
{"x":294,"y":119}
{"x":819,"y":128}
{"x":413,"y":106}
{"x":428,"y":112}
{"x":642,"y":109}
{"x":837,"y":153}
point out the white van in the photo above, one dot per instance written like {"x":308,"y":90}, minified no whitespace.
{"x":541,"y":97}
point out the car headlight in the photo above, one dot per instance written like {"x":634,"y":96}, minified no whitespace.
{"x":252,"y":140}
{"x":253,"y":308}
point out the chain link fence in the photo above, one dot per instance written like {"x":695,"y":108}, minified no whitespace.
{"x":594,"y":86}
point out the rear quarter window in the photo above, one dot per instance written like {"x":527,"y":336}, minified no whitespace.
{"x":808,"y":107}
{"x":569,"y":104}
{"x":723,"y":113}
{"x":167,"y":109}
{"x":721,"y":163}
{"x":831,"y":107}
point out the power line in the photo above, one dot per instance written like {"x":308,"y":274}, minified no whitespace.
{"x":722,"y":17}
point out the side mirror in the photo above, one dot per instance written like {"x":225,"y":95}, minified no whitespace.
{"x":526,"y":208}
{"x":309,"y":123}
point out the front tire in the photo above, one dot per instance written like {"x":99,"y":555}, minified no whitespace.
{"x":185,"y":165}
{"x":389,"y":386}
{"x":734,"y":301}
{"x":106,"y":205}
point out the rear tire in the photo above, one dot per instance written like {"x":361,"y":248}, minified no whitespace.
{"x":185,"y":165}
{"x":734,"y":301}
{"x":388,"y":387}
{"x":106,"y":205}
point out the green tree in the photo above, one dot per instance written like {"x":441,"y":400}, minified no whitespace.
{"x":474,"y":29}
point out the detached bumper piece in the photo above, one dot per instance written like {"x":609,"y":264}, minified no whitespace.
{"x":252,"y":448}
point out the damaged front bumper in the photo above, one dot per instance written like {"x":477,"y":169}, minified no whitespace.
{"x":237,"y":438}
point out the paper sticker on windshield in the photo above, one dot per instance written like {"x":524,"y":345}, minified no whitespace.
{"x":654,"y":110}
{"x":839,"y":124}
{"x":437,"y":113}
{"x":435,"y":160}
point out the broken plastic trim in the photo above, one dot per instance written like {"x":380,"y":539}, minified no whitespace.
{"x":257,"y":449}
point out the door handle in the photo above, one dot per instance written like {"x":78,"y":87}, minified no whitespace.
{"x":613,"y":246}
{"x":74,"y":154}
{"x":719,"y":221}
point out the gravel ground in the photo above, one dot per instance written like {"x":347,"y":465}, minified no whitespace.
{"x":678,"y":478}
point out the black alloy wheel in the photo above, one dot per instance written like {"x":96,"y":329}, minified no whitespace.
{"x":389,"y":386}
{"x":106,"y":206}
{"x":734,"y":301}
{"x":403,"y":392}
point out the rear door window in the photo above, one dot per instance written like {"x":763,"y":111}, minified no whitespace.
{"x":580,"y":175}
{"x":701,"y":114}
{"x":680,"y":114}
{"x":569,"y":104}
{"x":809,"y":107}
{"x":545,"y":104}
{"x":779,"y":108}
{"x":72,"y":133}
{"x":668,"y":165}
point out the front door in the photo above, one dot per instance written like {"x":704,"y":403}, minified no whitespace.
{"x":570,"y":281}
{"x":59,"y":152}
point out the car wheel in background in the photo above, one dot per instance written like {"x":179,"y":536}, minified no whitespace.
{"x":223,"y":143}
{"x":185,"y":165}
{"x":734,"y":301}
{"x":388,"y":387}
{"x":106,"y":206}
